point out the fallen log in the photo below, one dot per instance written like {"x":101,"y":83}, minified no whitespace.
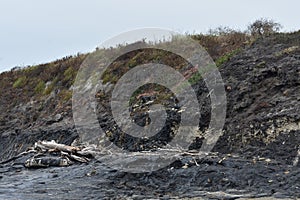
{"x":46,"y":145}
{"x":47,"y":162}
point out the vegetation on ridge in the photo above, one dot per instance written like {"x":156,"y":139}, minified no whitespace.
{"x":50,"y":84}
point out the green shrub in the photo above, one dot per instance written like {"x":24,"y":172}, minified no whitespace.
{"x":69,"y":74}
{"x":51,"y":86}
{"x":109,"y":77}
{"x":66,"y":95}
{"x":20,"y":82}
{"x":48,"y":89}
{"x":223,"y":59}
{"x":40,"y":87}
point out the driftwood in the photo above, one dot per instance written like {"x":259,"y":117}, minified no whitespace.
{"x":55,"y":146}
{"x":47,"y":162}
{"x":50,"y":153}
{"x":68,"y":154}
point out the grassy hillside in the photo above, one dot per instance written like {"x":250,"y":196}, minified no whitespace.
{"x":48,"y":86}
{"x":36,"y":97}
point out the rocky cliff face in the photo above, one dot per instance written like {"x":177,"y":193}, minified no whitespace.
{"x":262,"y":82}
{"x":36,"y":103}
{"x":262,"y":85}
{"x":263,"y":99}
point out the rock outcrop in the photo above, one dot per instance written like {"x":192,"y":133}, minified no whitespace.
{"x":257,"y":155}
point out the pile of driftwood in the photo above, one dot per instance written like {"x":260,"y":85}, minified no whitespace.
{"x":50,"y":153}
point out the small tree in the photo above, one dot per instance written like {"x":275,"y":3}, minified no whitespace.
{"x":263,"y":27}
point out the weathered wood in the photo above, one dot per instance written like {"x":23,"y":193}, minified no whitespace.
{"x":53,"y":145}
{"x":46,"y":162}
{"x":79,"y":158}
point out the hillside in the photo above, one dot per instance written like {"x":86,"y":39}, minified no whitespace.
{"x":36,"y":98}
{"x":261,"y":135}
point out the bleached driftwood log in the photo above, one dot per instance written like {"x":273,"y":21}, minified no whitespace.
{"x":44,"y":157}
{"x":46,"y":145}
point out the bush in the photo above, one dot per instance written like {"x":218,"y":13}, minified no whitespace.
{"x":65,"y":95}
{"x":20,"y":82}
{"x":263,"y":27}
{"x":69,"y":74}
{"x":40,"y":87}
{"x":50,"y":87}
{"x":226,"y":57}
